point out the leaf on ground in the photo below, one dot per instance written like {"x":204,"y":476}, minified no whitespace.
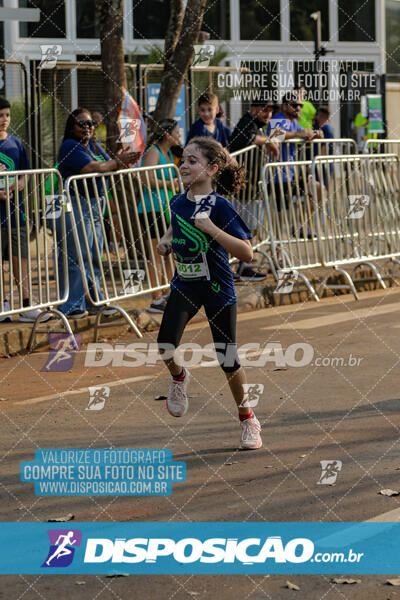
{"x":63,"y":519}
{"x":161,"y":398}
{"x":80,"y":582}
{"x":344,"y":580}
{"x":388,"y":492}
{"x":292,"y":586}
{"x":228,"y":464}
{"x":393,"y":581}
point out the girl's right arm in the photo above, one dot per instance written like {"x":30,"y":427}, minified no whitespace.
{"x":164,"y":245}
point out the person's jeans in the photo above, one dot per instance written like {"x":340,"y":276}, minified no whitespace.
{"x":77,"y":299}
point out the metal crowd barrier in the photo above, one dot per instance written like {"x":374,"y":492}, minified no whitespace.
{"x":121,"y":261}
{"x":30,"y":278}
{"x":359,"y":221}
{"x":310,"y":150}
{"x":338,"y":210}
{"x":249,"y":202}
{"x":382,"y":147}
{"x":290,"y":217}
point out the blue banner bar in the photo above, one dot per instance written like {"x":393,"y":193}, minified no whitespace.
{"x":200,"y":548}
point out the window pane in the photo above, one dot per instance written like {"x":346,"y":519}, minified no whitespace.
{"x":301,"y":24}
{"x":260,"y":20}
{"x":52,"y":19}
{"x":150,"y":19}
{"x":216,"y":19}
{"x":356,"y":20}
{"x":87,"y":24}
{"x":393,"y":37}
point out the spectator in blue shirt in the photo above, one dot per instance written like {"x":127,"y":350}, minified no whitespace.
{"x":79,"y":154}
{"x":287,"y":119}
{"x":322,"y":117}
{"x":13,"y":157}
{"x":207,"y":125}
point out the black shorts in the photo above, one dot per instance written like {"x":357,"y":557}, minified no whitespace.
{"x":23,"y":242}
{"x":182,"y":306}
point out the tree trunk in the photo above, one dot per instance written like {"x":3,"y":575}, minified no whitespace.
{"x":110,"y":14}
{"x":179,"y":50}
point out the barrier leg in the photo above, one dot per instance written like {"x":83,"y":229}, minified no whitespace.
{"x":270,"y":262}
{"x":309,"y":287}
{"x":349,"y":286}
{"x":373,"y":268}
{"x":64,"y":320}
{"x":124,"y":315}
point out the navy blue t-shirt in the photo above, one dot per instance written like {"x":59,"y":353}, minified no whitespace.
{"x":13,"y":157}
{"x":73,"y":156}
{"x":202,"y":265}
{"x":221,"y":132}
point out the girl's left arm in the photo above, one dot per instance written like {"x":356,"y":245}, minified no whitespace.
{"x":239,"y":248}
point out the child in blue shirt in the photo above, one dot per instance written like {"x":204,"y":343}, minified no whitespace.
{"x":13,"y":157}
{"x":204,"y":228}
{"x":207,"y":125}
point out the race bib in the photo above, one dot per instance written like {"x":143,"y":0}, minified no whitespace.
{"x":193,"y":270}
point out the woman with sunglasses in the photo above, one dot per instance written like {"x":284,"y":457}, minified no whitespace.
{"x":79,"y":154}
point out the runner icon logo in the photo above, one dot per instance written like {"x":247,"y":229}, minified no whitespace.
{"x":358,"y":204}
{"x":133,"y":279}
{"x":62,"y":351}
{"x":98,"y":397}
{"x":330,"y":471}
{"x":50,"y":53}
{"x":61,"y":551}
{"x":203,"y":53}
{"x":252,"y":393}
{"x":286,"y":280}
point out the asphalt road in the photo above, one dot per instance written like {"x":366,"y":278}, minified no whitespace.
{"x":335,"y":398}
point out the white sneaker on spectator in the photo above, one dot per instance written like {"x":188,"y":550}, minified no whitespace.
{"x":251,"y":434}
{"x":77,"y":314}
{"x":30,"y":316}
{"x":6,"y":318}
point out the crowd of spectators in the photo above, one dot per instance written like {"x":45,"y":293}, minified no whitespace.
{"x":264,"y":124}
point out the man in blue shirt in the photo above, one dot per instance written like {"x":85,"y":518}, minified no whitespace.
{"x":287,"y":119}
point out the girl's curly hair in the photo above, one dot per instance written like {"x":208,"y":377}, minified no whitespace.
{"x":229,"y":178}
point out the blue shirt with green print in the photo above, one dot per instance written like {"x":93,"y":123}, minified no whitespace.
{"x":13,"y":157}
{"x":202,"y":264}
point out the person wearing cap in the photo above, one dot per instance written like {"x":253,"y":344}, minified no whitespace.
{"x":247,"y":130}
{"x":287,"y":119}
{"x":250,"y":130}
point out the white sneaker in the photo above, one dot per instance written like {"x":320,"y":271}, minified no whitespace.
{"x":6,"y":307}
{"x":30,"y":316}
{"x":177,"y":401}
{"x":251,"y":430}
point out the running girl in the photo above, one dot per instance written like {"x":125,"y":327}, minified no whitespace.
{"x":204,"y":229}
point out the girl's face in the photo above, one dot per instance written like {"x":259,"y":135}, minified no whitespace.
{"x":174,"y":136}
{"x":194,"y":167}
